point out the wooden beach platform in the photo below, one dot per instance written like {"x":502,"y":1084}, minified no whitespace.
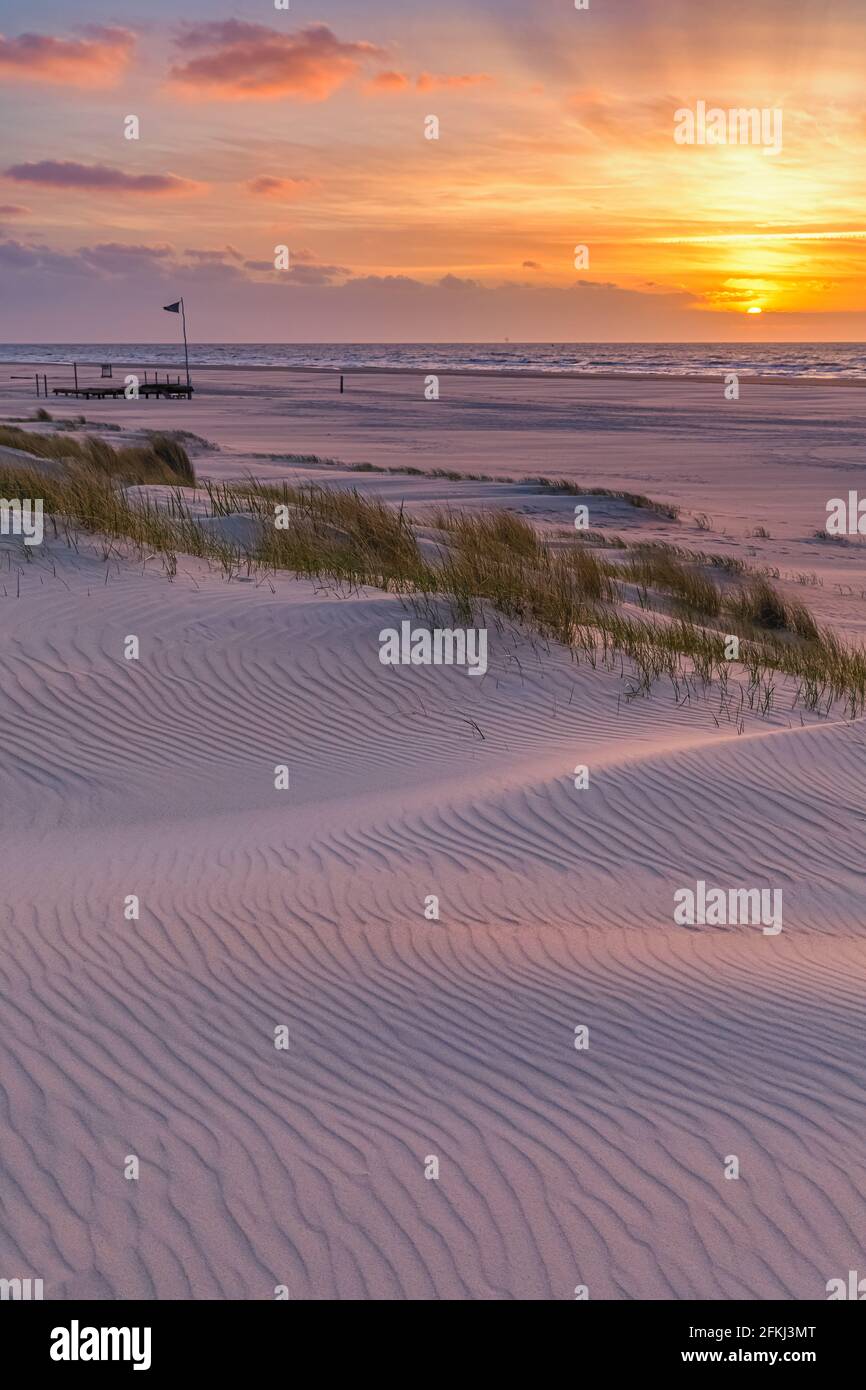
{"x":101,"y":393}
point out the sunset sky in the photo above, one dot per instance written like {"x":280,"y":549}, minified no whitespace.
{"x":305,"y":127}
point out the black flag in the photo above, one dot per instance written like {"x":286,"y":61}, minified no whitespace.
{"x":172,"y":308}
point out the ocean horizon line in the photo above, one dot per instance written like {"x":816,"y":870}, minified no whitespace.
{"x":817,"y":361}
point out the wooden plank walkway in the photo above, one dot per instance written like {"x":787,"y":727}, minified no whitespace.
{"x":100,"y":393}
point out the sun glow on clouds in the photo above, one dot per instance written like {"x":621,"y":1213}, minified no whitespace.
{"x":243,"y":62}
{"x":546,"y":142}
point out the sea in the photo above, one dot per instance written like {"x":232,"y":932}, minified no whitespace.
{"x":813,"y":360}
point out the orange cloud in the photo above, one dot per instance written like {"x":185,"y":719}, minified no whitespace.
{"x":267,"y":187}
{"x":430,"y":82}
{"x":95,"y":61}
{"x":244,"y":62}
{"x":392,"y":81}
{"x":388,"y":82}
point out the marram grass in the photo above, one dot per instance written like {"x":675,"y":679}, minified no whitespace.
{"x":491,"y":563}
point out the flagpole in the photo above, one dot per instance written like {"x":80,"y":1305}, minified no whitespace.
{"x":185,"y":351}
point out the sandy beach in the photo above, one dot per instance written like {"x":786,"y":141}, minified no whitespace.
{"x":559,"y":1166}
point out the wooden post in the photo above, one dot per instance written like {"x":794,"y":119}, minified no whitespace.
{"x":45,"y":384}
{"x":341,"y":386}
{"x":37,"y":383}
{"x":75,"y":370}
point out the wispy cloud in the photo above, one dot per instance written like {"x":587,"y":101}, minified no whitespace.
{"x":211,"y":257}
{"x":391,"y":82}
{"x":98,"y":178}
{"x":121,"y":258}
{"x":756,"y":238}
{"x":265,"y":186}
{"x":432,"y":82}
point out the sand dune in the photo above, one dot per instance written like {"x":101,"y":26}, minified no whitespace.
{"x":409,"y":1037}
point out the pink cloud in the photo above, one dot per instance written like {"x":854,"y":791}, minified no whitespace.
{"x":98,"y":60}
{"x":245,"y":62}
{"x":98,"y":178}
{"x":13,"y":210}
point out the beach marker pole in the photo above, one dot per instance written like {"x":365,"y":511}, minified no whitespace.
{"x":178,"y":307}
{"x":341,"y":386}
{"x":185,"y":350}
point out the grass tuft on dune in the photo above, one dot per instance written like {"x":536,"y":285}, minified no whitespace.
{"x":162,"y":460}
{"x":492,"y":562}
